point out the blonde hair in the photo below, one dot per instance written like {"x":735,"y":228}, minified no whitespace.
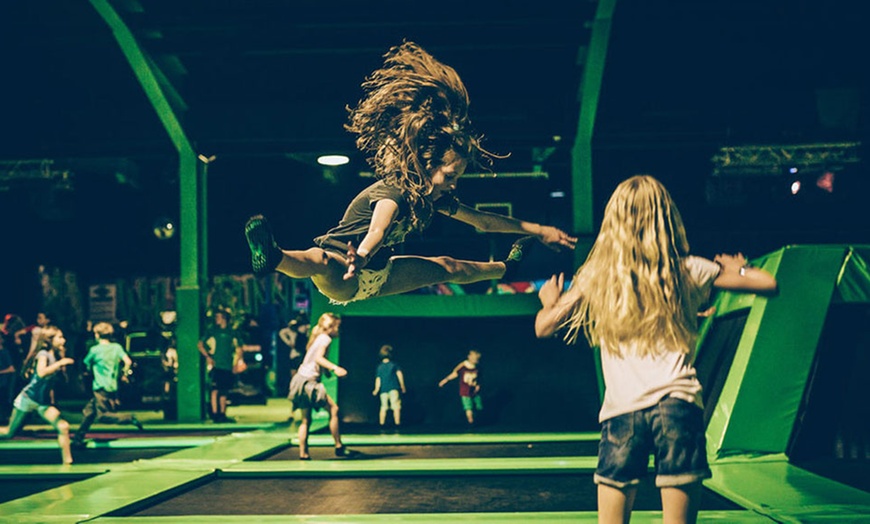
{"x":324,"y":324}
{"x":103,"y":329}
{"x":414,"y":113}
{"x":633,"y":286}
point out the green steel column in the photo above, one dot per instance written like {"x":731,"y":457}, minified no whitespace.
{"x":188,"y":295}
{"x":581,"y":153}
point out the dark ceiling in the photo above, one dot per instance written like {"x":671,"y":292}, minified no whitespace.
{"x":262,"y":85}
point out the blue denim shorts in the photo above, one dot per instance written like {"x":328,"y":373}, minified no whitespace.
{"x":672,"y":430}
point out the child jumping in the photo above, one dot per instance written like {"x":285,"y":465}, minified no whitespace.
{"x":637,"y":296}
{"x":413,"y":123}
{"x":36,"y":394}
{"x":389,"y":380}
{"x":306,"y":390}
{"x":468,"y":374}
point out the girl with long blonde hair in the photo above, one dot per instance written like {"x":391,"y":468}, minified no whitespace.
{"x":307,"y":392}
{"x":637,"y":297}
{"x":414,"y":127}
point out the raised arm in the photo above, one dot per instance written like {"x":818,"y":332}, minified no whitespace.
{"x":737,"y":276}
{"x":554,"y":309}
{"x":495,"y":223}
{"x":383,"y":215}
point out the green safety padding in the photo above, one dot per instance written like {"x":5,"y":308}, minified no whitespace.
{"x":853,"y":282}
{"x":759,"y":402}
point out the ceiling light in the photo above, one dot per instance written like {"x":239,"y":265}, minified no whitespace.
{"x":332,"y":160}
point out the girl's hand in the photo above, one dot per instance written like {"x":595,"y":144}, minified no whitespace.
{"x":339,"y":371}
{"x":355,"y":262}
{"x":555,"y":238}
{"x":731,"y":263}
{"x":375,"y":393}
{"x":552,"y":290}
{"x":65,"y":361}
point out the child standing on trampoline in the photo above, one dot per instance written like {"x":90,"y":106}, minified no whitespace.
{"x":36,"y":394}
{"x":389,"y":380}
{"x":413,"y":123}
{"x":637,"y":297}
{"x":307,"y":392}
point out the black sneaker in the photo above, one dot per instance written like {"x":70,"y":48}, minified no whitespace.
{"x":519,"y":249}
{"x":265,"y":253}
{"x":78,"y":444}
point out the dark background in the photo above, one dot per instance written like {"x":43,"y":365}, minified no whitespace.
{"x":526,"y":383}
{"x":265,"y":86}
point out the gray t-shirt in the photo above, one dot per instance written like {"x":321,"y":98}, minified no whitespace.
{"x":634,"y":382}
{"x":358,"y":216}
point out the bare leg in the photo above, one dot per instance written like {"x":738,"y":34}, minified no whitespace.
{"x":469,"y":414}
{"x":382,"y":416}
{"x":614,"y":505}
{"x":397,"y":416}
{"x":15,"y":423}
{"x":304,"y":422}
{"x":411,"y":272}
{"x":680,"y":504}
{"x":333,"y":421}
{"x":52,"y":416}
{"x":222,"y":403}
{"x":214,"y":403}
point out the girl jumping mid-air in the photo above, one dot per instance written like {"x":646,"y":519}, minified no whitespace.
{"x":413,"y":124}
{"x":637,"y":296}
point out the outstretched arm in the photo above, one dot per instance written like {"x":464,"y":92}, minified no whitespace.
{"x":357,"y":256}
{"x":495,"y":223}
{"x":737,"y":276}
{"x":554,"y":309}
{"x":453,"y":374}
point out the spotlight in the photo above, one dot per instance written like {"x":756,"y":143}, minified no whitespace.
{"x":793,"y":170}
{"x":825,"y":182}
{"x":164,"y":228}
{"x":332,"y":160}
{"x":795,"y":187}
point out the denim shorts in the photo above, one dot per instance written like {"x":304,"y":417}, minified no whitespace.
{"x":672,"y":430}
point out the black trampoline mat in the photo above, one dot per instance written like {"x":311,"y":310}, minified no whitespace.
{"x":544,"y":449}
{"x":405,"y":494}
{"x":80,"y":456}
{"x":11,"y":489}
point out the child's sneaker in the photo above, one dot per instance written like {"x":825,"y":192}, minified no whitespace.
{"x":265,"y":253}
{"x":519,"y":249}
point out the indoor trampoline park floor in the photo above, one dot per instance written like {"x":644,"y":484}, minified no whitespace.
{"x":250,"y":472}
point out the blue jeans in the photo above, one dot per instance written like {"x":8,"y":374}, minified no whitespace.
{"x":672,"y":430}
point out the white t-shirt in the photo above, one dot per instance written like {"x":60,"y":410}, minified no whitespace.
{"x":634,"y":383}
{"x":309,"y":367}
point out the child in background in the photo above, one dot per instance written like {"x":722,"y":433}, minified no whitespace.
{"x":307,"y":392}
{"x":35,"y":395}
{"x":468,"y":374}
{"x":222,"y":351}
{"x":104,"y":362}
{"x":637,"y":296}
{"x":388,"y":382}
{"x":413,"y":124}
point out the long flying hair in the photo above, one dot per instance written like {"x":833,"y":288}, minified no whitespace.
{"x":633,"y":286}
{"x":414,"y":111}
{"x":324,"y":324}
